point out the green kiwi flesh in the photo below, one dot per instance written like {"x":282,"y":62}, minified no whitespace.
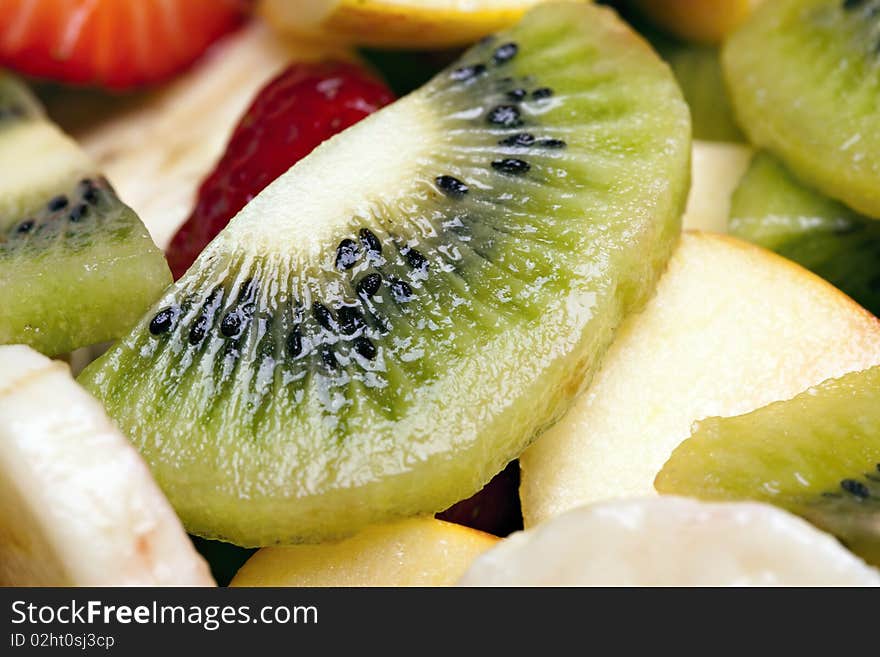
{"x":804,"y":77}
{"x":77,"y":266}
{"x":817,"y":455}
{"x":391,"y":322}
{"x":771,"y":208}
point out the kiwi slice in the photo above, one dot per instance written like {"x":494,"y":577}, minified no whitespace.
{"x":817,"y":455}
{"x":804,"y":77}
{"x":771,"y":208}
{"x":391,"y":322}
{"x":77,"y":266}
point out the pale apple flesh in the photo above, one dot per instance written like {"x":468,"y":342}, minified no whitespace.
{"x":413,"y":552}
{"x":731,"y":328}
{"x":80,"y":507}
{"x":671,"y":541}
{"x":716,"y":169}
{"x":394,"y":23}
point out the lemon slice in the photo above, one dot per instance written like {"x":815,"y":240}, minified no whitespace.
{"x":414,"y":552}
{"x":671,"y":541}
{"x":702,"y":22}
{"x":80,"y":507}
{"x":395,"y":23}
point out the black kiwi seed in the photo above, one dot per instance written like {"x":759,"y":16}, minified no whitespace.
{"x":162,"y":322}
{"x":505,"y":115}
{"x":324,"y":316}
{"x":295,"y":343}
{"x":416,"y":260}
{"x":505,"y":53}
{"x":346,"y":254}
{"x":231,"y":324}
{"x":543,"y":92}
{"x":511,"y":165}
{"x":856,"y":488}
{"x":517,"y":94}
{"x":452,"y":186}
{"x":370,"y":242}
{"x":57,"y":203}
{"x":350,"y":320}
{"x":25,"y":227}
{"x":79,"y":211}
{"x":90,"y":193}
{"x":467,"y":72}
{"x":365,"y":348}
{"x":369,"y":285}
{"x":522,"y":139}
{"x":401,"y":291}
{"x":329,"y":357}
{"x":552,"y":143}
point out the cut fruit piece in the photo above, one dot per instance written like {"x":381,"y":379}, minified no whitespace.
{"x":112,"y":43}
{"x":817,"y":455}
{"x":158,"y":152}
{"x":701,"y":21}
{"x":774,"y":210}
{"x":76,"y":265}
{"x":395,"y":23}
{"x":698,"y":71}
{"x":302,"y":107}
{"x":80,"y":507}
{"x":716,"y":168}
{"x":342,"y":353}
{"x":803,"y":76}
{"x":414,"y":552}
{"x":731,"y":328}
{"x":671,"y":541}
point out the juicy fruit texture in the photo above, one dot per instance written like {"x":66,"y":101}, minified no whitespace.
{"x":804,"y":79}
{"x":79,"y":505}
{"x":382,"y":330}
{"x":716,"y":169}
{"x":817,"y":455}
{"x":413,"y":552}
{"x":671,"y":541}
{"x":773,"y":209}
{"x":303,"y":106}
{"x":111,"y":43}
{"x":76,"y":265}
{"x":702,"y":22}
{"x":395,"y":23}
{"x":731,"y":328}
{"x":156,"y":165}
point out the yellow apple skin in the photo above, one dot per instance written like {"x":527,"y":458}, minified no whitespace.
{"x":731,"y":328}
{"x":420,"y":24}
{"x":701,"y":21}
{"x":412,"y":552}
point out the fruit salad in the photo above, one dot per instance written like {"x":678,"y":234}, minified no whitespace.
{"x":405,"y":293}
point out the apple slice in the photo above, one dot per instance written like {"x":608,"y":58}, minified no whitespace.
{"x":732,"y":327}
{"x":716,"y":169}
{"x":394,"y":23}
{"x":671,"y":541}
{"x":412,"y":552}
{"x":80,"y":507}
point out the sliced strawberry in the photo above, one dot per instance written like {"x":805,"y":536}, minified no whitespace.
{"x":111,"y":43}
{"x":305,"y":105}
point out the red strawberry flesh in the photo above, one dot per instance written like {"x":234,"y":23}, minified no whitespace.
{"x":302,"y":107}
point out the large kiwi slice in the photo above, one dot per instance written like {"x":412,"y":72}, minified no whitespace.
{"x":77,"y":266}
{"x":770,"y":207}
{"x":804,"y":77}
{"x":817,"y":455}
{"x":391,"y":322}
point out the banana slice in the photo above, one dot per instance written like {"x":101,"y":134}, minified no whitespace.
{"x":157,"y":153}
{"x":671,"y":541}
{"x":80,"y":507}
